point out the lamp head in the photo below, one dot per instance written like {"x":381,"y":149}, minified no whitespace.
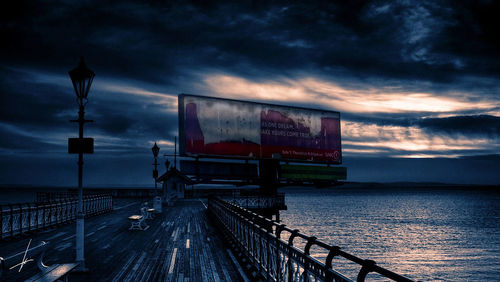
{"x":155,"y":150}
{"x":82,"y":78}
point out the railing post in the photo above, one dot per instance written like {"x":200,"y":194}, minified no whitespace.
{"x":64,"y":210}
{"x":11,"y":221}
{"x":268,"y":249}
{"x":41,"y":215}
{"x":67,"y":203}
{"x":279,"y":229}
{"x":58,"y":211}
{"x":67,"y":207}
{"x":310,"y":241}
{"x":20,"y":218}
{"x":21,"y":214}
{"x":30,"y":217}
{"x":46,"y":213}
{"x":53,"y":210}
{"x":28,"y":207}
{"x":48,"y":218}
{"x":27,"y":222}
{"x":74,"y":204}
{"x":89,"y":206}
{"x":334,"y":251}
{"x":290,"y":244}
{"x":37,"y":211}
{"x":365,"y":269}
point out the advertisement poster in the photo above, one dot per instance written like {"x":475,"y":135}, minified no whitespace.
{"x":222,"y":127}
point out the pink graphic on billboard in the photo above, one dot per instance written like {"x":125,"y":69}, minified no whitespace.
{"x":195,"y":141}
{"x":294,"y":140}
{"x":194,"y":136}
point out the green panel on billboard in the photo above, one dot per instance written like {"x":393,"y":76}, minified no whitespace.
{"x":305,"y":172}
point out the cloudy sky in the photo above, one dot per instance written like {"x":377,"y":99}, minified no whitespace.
{"x":417,"y":82}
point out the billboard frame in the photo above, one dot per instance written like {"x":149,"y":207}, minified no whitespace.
{"x":182,"y":136}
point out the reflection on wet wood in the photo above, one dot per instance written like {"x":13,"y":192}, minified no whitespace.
{"x":179,"y":245}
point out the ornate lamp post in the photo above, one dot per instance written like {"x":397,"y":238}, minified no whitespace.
{"x":82,"y":77}
{"x":155,"y":150}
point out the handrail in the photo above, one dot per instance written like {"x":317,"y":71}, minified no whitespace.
{"x":277,"y":260}
{"x":257,"y":201}
{"x":19,"y":219}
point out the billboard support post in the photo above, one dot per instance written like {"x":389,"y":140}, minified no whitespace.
{"x":268,"y":174}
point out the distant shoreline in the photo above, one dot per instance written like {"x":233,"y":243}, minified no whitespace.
{"x":345,"y":185}
{"x":396,"y":186}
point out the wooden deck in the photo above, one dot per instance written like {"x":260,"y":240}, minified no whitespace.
{"x":179,"y":245}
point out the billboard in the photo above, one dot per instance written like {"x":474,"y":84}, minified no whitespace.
{"x":218,"y":127}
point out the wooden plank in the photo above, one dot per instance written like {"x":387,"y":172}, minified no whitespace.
{"x":113,"y":253}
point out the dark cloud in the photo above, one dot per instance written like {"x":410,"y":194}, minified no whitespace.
{"x":447,"y":48}
{"x":156,"y":42}
{"x":466,"y":125}
{"x":483,"y":125}
{"x":396,"y":119}
{"x":12,"y":140}
{"x":32,"y":112}
{"x":133,"y":119}
{"x":24,"y":101}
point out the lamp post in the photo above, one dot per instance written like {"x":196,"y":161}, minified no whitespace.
{"x":155,"y":150}
{"x":81,"y":77}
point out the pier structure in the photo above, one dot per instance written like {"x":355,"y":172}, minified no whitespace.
{"x":265,"y":200}
{"x":192,"y":240}
{"x":26,"y":218}
{"x":179,"y":245}
{"x":268,"y":256}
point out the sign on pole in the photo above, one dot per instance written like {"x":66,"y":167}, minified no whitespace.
{"x":77,"y":145}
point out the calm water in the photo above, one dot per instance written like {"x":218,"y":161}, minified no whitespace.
{"x":425,"y":235}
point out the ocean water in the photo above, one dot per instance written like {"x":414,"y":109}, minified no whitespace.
{"x":450,"y":235}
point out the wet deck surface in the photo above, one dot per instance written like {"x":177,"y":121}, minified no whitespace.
{"x":180,"y":245}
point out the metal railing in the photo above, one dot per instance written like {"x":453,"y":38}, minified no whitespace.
{"x":259,"y":239}
{"x":259,"y":201}
{"x":19,"y":219}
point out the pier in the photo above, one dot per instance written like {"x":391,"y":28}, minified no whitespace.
{"x":193,"y":240}
{"x":179,"y":245}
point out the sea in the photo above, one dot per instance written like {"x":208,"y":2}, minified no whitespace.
{"x":426,"y":234}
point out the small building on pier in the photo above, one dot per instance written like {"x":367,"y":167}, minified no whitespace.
{"x":173,"y":185}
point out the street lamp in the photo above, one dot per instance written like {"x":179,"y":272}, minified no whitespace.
{"x":81,"y":77}
{"x":155,"y":150}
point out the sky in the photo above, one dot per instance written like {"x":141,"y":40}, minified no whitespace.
{"x":417,"y":83}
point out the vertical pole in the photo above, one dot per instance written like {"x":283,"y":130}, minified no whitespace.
{"x":1,"y":222}
{"x":80,"y":215}
{"x":11,"y":219}
{"x":175,"y":151}
{"x":156,"y":183}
